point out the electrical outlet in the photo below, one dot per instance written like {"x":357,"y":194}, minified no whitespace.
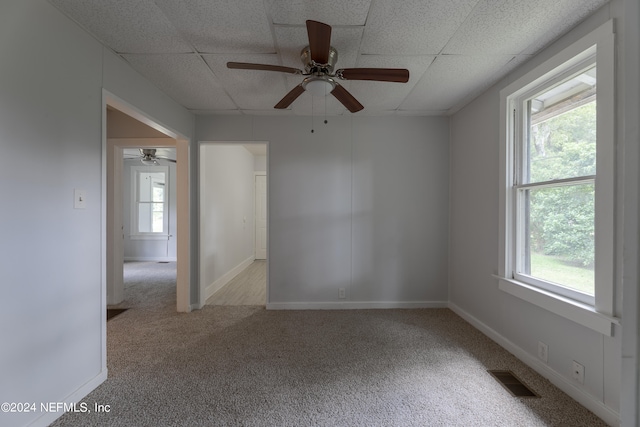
{"x":578,"y":372}
{"x":543,"y":352}
{"x":341,"y":293}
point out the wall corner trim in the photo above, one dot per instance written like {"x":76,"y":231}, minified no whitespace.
{"x":75,"y":397}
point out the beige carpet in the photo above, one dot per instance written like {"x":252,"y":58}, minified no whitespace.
{"x":246,"y":366}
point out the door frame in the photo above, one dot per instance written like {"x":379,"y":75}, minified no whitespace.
{"x":256,"y":174}
{"x":113,"y":245}
{"x":198,"y":144}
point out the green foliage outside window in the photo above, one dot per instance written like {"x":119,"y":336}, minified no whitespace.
{"x":561,"y":221}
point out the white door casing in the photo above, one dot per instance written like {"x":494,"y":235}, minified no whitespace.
{"x":261,"y":216}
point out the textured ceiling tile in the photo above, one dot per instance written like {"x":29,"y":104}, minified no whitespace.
{"x":386,"y":95}
{"x":510,"y":26}
{"x":126,"y":26}
{"x":185,"y":78}
{"x":413,"y":27}
{"x":217,"y":112}
{"x":250,"y":89}
{"x":569,"y":14}
{"x":222,"y":26}
{"x":332,"y":12}
{"x":452,"y":79}
{"x":291,"y":40}
{"x":414,"y":113}
{"x":488,"y":32}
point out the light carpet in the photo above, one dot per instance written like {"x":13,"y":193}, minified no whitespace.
{"x":246,"y":366}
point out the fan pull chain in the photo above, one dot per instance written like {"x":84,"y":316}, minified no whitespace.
{"x":312,"y":114}
{"x":325,"y":109}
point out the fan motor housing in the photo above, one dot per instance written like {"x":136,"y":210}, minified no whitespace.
{"x":310,"y":66}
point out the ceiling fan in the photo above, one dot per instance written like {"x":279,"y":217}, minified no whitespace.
{"x":148,"y":157}
{"x":319,"y":58}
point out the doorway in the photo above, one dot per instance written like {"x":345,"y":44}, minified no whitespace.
{"x":233,"y":223}
{"x":115,"y":145}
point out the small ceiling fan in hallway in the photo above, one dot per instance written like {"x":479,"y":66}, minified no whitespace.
{"x":148,"y":157}
{"x":319,"y":59}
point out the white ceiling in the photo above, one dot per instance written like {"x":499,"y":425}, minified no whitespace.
{"x":454,"y":49}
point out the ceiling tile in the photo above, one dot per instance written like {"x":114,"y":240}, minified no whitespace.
{"x":452,"y":79}
{"x":386,"y":95}
{"x":126,"y":26}
{"x":185,"y":78}
{"x":222,"y":26}
{"x":414,"y":113}
{"x":217,"y":112}
{"x":332,"y":12}
{"x":569,"y":14}
{"x":250,"y":89}
{"x":510,"y":26}
{"x":475,"y":42}
{"x":413,"y":27}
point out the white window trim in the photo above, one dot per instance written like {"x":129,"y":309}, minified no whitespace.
{"x":599,"y":317}
{"x":136,"y":235}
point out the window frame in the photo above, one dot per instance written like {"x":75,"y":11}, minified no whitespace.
{"x":597,"y":312}
{"x":135,"y":176}
{"x":519,"y":106}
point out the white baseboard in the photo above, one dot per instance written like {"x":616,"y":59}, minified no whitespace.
{"x":75,"y":397}
{"x":587,"y":400}
{"x":150,"y":259}
{"x":354,"y":305}
{"x":226,"y":278}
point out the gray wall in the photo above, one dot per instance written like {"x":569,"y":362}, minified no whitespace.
{"x":360,"y":204}
{"x":226,"y":211}
{"x":474,"y":242}
{"x":51,"y":311}
{"x":358,"y":192}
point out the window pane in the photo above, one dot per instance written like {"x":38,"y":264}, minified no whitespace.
{"x":158,"y":217}
{"x":151,"y":186}
{"x":158,"y":192}
{"x":145,"y":223}
{"x":558,"y":234}
{"x":562,"y":131}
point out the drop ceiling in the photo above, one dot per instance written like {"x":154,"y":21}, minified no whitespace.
{"x":453,"y":49}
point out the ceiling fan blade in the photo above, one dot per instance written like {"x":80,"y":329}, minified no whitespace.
{"x":346,"y":99}
{"x":290,"y":97}
{"x":166,"y":158}
{"x":319,"y":41}
{"x":262,"y":67}
{"x":398,"y":75}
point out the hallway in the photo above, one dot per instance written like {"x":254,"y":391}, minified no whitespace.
{"x":247,"y":288}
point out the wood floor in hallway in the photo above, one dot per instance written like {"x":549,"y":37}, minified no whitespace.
{"x":247,"y":288}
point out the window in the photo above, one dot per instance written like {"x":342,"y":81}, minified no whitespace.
{"x":149,"y":201}
{"x":555,"y":173}
{"x":557,"y":188}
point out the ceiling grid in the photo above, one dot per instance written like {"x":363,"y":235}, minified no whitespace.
{"x":453,"y":49}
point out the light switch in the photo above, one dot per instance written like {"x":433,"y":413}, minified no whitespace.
{"x":79,"y":199}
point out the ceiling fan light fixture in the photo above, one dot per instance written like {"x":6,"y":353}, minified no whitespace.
{"x":319,"y":86}
{"x":148,"y":162}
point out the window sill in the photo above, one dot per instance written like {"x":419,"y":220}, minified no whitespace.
{"x":582,"y":314}
{"x":149,"y":236}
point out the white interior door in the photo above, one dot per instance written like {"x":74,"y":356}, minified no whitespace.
{"x":261,"y":217}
